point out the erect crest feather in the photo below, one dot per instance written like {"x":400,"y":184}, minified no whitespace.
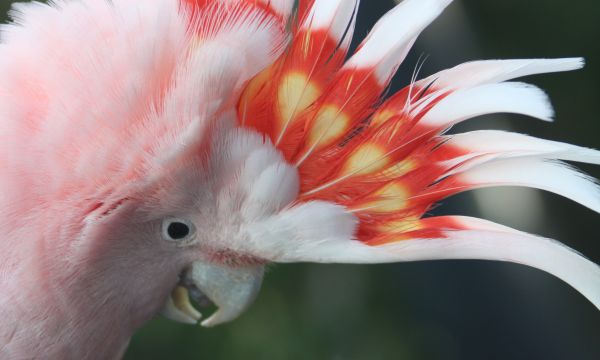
{"x":388,"y":163}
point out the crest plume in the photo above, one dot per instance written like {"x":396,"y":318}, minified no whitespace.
{"x":388,"y":163}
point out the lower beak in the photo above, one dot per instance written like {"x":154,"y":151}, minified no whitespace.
{"x":231,"y":289}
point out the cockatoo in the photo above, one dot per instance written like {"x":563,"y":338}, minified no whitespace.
{"x":157,"y":150}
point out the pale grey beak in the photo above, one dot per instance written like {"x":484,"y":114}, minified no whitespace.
{"x":231,"y":289}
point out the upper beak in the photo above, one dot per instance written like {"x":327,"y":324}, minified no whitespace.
{"x":231,"y":289}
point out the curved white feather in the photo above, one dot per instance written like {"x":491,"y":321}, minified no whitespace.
{"x":337,"y":17}
{"x":475,"y":73}
{"x":508,"y":97}
{"x":553,"y":176}
{"x":390,"y":40}
{"x":486,"y":240}
{"x":508,"y":144}
{"x":483,"y":240}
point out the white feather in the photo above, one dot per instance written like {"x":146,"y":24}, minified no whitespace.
{"x":282,"y":7}
{"x":392,"y":37}
{"x":493,"y":71}
{"x":267,"y":182}
{"x":533,"y":172}
{"x":483,"y":240}
{"x":509,"y":97}
{"x":509,"y":144}
{"x":276,"y":187}
{"x":337,"y":17}
{"x":489,"y":241}
{"x":300,"y":231}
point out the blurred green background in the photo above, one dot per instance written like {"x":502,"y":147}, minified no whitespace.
{"x":447,"y":309}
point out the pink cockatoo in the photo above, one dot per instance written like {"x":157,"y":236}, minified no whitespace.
{"x":157,"y":150}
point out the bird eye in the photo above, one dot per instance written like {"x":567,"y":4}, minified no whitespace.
{"x":175,"y":229}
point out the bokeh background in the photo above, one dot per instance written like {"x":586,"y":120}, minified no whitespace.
{"x":446,"y":309}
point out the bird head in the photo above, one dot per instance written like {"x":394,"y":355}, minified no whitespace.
{"x":207,"y":225}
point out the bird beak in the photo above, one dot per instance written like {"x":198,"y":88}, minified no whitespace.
{"x":231,"y":289}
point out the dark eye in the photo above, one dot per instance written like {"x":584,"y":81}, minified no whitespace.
{"x":177,"y":229}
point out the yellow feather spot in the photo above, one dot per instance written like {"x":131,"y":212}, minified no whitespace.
{"x":381,"y":116}
{"x":392,"y":197}
{"x":296,"y":93}
{"x":330,"y":125}
{"x":400,"y":226}
{"x":401,"y":168}
{"x":367,"y":159}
